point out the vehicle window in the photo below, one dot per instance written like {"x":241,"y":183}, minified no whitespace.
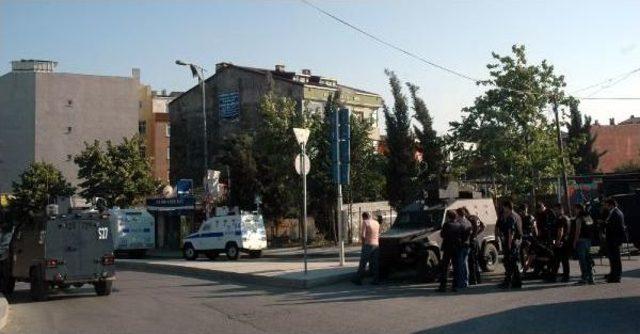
{"x":206,"y":227}
{"x":419,"y":219}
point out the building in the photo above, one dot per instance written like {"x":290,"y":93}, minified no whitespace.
{"x":154,"y":127}
{"x":47,"y":116}
{"x":233,"y":94}
{"x":620,"y":143}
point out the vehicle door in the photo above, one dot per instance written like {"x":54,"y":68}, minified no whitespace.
{"x":27,"y":247}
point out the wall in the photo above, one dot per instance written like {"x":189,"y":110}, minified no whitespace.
{"x":72,"y":109}
{"x":17,"y":125}
{"x":621,"y":143}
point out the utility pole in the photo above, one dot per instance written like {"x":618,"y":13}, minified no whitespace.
{"x":339,"y":190}
{"x":565,"y":183}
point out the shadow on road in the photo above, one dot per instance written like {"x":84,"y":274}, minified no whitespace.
{"x":590,"y":316}
{"x":22,"y":296}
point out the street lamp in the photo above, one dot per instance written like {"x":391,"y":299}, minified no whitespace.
{"x":302,"y":166}
{"x":198,"y":71}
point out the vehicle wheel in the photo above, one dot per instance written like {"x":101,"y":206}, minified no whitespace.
{"x":255,"y":254}
{"x":39,"y":287}
{"x":232,"y":251}
{"x":427,"y":267}
{"x":212,"y":255}
{"x":103,"y":288}
{"x":489,"y":257}
{"x":189,"y":253}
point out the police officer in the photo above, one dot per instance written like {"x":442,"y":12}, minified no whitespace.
{"x":451,"y":244}
{"x":510,"y":230}
{"x":477,"y":227}
{"x":615,"y":236}
{"x":561,"y":245}
{"x":529,"y":235}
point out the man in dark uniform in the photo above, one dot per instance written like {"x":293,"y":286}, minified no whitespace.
{"x":546,"y":220}
{"x":561,"y":245}
{"x":510,"y":230}
{"x":451,"y":244}
{"x":615,"y":236}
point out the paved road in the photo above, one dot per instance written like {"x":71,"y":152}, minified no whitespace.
{"x":153,"y":303}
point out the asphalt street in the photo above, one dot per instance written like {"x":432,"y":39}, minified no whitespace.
{"x":154,"y":303}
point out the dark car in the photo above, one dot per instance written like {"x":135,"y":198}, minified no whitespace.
{"x":413,"y":241}
{"x":60,"y":251}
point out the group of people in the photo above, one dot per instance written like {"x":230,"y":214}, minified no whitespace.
{"x":547,"y":240}
{"x":460,"y":249}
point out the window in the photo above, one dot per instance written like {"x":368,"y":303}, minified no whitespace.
{"x":142,"y":127}
{"x":168,"y":153}
{"x":69,"y":129}
{"x":206,"y":227}
{"x":167,"y":130}
{"x":69,"y":103}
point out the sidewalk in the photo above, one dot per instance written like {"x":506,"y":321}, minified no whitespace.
{"x":275,"y":253}
{"x":281,"y":272}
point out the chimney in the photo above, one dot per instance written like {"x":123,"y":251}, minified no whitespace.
{"x":135,"y":73}
{"x":164,"y":92}
{"x":307,"y":71}
{"x":279,"y":68}
{"x":597,"y":123}
{"x":612,"y":121}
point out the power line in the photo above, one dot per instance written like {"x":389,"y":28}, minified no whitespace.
{"x":622,"y":77}
{"x":459,"y":74}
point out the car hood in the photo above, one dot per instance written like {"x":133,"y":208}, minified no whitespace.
{"x":402,"y":233}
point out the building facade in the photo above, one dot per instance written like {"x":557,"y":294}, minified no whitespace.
{"x":47,"y":116}
{"x":154,"y":127}
{"x":233,"y":94}
{"x":620,"y":143}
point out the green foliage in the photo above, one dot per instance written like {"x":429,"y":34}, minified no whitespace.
{"x":581,"y":141}
{"x":120,"y":174}
{"x":40,"y":184}
{"x":238,"y":155}
{"x":401,"y":166}
{"x":512,"y":138}
{"x":432,"y":169}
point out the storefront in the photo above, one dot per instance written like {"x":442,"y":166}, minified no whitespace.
{"x":175,"y":218}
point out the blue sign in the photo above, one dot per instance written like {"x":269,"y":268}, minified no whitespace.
{"x":229,"y":105}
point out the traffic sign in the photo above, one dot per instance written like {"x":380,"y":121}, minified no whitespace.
{"x":298,"y":164}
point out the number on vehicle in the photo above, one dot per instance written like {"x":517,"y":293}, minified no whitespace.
{"x":103,"y":233}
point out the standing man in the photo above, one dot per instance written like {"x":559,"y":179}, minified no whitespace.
{"x":450,"y":234}
{"x":462,"y":258}
{"x":477,"y":227}
{"x":546,"y":220}
{"x":369,"y":234}
{"x":561,"y":245}
{"x":511,"y":236}
{"x":615,"y":236}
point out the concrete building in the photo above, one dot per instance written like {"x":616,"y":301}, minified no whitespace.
{"x":621,"y":143}
{"x":47,"y":116}
{"x":233,"y":94}
{"x":154,"y":127}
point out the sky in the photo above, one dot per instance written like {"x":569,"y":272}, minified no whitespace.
{"x":587,"y":41}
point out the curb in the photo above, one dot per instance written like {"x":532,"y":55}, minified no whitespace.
{"x":4,"y":311}
{"x":211,"y":274}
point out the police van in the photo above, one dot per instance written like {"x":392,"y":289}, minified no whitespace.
{"x":134,"y":231}
{"x":229,"y":232}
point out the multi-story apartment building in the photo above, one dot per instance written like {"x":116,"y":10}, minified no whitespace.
{"x":233,"y":94}
{"x":47,"y":116}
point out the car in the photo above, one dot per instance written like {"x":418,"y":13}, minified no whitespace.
{"x":229,"y":232}
{"x":414,"y":241}
{"x":60,"y":251}
{"x":133,"y":231}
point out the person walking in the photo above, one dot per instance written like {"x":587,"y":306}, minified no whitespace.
{"x":581,"y":236}
{"x":369,"y":234}
{"x":615,"y":236}
{"x":462,"y":257}
{"x":511,"y":236}
{"x":477,"y":228}
{"x":561,"y":245}
{"x":451,"y":243}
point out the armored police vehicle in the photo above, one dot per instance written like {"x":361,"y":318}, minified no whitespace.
{"x":133,"y":231}
{"x":413,"y":241}
{"x":60,"y":251}
{"x":229,"y":232}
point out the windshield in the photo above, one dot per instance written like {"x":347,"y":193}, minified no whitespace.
{"x":419,"y":219}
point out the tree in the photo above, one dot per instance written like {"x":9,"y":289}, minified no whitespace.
{"x":432,"y":147}
{"x":581,"y":141}
{"x":40,"y":184}
{"x":506,"y":133}
{"x":238,"y":155}
{"x":120,"y":174}
{"x":401,"y":166}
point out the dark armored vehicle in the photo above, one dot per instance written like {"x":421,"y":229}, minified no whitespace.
{"x":413,"y":241}
{"x":60,"y":251}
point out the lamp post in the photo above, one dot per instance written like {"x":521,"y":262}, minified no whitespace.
{"x":198,"y":71}
{"x":301,"y":164}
